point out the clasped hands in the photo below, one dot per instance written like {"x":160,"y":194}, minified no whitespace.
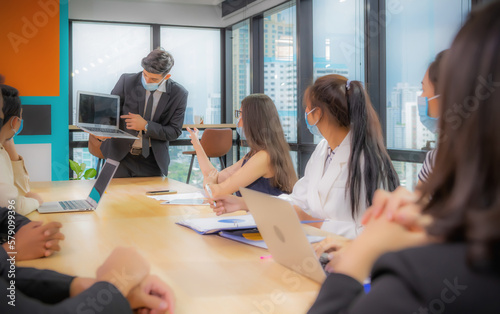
{"x":393,"y":222}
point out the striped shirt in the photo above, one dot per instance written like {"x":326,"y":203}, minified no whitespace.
{"x":428,"y":165}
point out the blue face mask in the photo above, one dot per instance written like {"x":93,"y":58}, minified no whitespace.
{"x":150,"y":86}
{"x":423,"y":111}
{"x":313,"y":128}
{"x":18,"y":130}
{"x":239,"y":130}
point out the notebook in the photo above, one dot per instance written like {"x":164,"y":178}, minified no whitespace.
{"x":213,"y":225}
{"x":100,"y":185}
{"x":99,"y":114}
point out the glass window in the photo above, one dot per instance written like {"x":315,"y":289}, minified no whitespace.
{"x":102,"y":52}
{"x":416,"y":31}
{"x":241,"y":63}
{"x":338,"y":39}
{"x":283,"y":55}
{"x":197,"y":67}
{"x":408,"y":173}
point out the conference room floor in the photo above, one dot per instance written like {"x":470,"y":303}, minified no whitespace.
{"x":209,"y":274}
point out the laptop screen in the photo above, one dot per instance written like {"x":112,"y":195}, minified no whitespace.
{"x":98,"y":109}
{"x":105,"y":176}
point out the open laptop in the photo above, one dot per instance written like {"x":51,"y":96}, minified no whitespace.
{"x":281,"y":230}
{"x":99,"y":114}
{"x":100,"y":185}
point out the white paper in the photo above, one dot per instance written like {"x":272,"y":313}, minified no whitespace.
{"x":177,"y":196}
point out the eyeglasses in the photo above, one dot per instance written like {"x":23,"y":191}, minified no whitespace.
{"x":237,"y":113}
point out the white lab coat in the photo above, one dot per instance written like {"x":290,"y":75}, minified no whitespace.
{"x":325,"y":196}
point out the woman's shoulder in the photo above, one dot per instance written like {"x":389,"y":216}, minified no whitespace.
{"x":427,"y":270}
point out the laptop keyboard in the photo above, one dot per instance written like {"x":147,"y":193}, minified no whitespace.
{"x":104,"y":130}
{"x":80,"y":204}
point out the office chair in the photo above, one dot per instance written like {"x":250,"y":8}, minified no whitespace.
{"x":216,"y":143}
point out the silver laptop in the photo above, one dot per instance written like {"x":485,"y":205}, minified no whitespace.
{"x":100,"y":185}
{"x":99,"y":114}
{"x":280,"y":228}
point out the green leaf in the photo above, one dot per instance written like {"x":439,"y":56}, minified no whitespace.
{"x":83,"y":166}
{"x":74,"y":166}
{"x":90,"y":173}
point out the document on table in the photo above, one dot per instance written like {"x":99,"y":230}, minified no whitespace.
{"x":215,"y":224}
{"x":195,"y":198}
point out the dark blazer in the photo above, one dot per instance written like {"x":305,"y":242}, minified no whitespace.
{"x":429,"y":279}
{"x":46,"y":291}
{"x":166,"y":124}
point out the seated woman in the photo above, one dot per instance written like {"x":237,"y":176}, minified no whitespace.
{"x":14,"y":181}
{"x":268,"y":167}
{"x":428,"y":110}
{"x":346,"y":167}
{"x":446,"y":260}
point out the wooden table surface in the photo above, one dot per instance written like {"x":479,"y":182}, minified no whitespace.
{"x":209,"y":274}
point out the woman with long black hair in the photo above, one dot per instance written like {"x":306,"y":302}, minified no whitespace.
{"x":347,"y":166}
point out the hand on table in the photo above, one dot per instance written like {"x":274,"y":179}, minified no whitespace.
{"x":134,"y":121}
{"x":152,"y":296}
{"x":35,"y":240}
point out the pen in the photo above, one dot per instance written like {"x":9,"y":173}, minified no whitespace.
{"x":311,"y":221}
{"x":210,"y":193}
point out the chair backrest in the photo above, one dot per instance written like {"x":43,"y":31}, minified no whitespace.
{"x":217,"y":142}
{"x":95,"y":147}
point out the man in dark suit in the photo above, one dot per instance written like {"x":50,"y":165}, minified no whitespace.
{"x":152,"y":107}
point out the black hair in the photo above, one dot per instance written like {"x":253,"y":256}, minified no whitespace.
{"x":349,"y":104}
{"x":11,"y":102}
{"x":158,"y":61}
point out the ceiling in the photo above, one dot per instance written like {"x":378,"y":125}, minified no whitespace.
{"x":200,"y":2}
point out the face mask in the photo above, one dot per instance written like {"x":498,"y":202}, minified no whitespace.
{"x":18,"y":130}
{"x":150,"y":86}
{"x":313,"y":128}
{"x":423,"y":109}
{"x":239,"y":130}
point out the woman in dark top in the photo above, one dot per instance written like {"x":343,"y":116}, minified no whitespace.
{"x":446,"y":258}
{"x":268,"y":167}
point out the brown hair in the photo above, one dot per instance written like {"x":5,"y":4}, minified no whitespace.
{"x":434,"y":76}
{"x":350,"y":106}
{"x":263,"y":131}
{"x":465,"y":185}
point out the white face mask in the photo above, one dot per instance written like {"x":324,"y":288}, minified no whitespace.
{"x":151,"y":86}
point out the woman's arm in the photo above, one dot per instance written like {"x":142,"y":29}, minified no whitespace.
{"x":205,"y":164}
{"x":257,"y":166}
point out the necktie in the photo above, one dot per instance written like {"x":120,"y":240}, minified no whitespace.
{"x":147,"y":117}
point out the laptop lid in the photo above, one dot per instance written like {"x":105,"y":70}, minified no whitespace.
{"x":102,"y":182}
{"x":98,"y":110}
{"x":280,"y":228}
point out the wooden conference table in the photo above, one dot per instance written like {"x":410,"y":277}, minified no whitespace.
{"x":209,"y":274}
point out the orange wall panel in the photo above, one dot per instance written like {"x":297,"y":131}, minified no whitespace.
{"x":29,"y":51}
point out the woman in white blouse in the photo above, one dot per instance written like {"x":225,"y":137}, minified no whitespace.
{"x":14,"y":179}
{"x":346,"y":167}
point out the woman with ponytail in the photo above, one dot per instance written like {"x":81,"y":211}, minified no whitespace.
{"x":350,"y":163}
{"x":346,"y":167}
